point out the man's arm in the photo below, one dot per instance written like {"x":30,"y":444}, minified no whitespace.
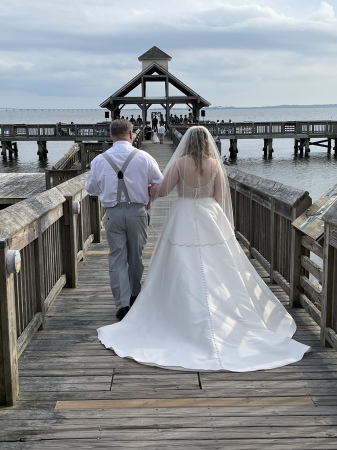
{"x":92,"y":185}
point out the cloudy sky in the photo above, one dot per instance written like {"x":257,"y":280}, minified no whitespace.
{"x":75,"y":53}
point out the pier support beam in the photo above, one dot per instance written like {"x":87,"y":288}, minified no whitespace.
{"x":233,"y":148}
{"x":301,"y":146}
{"x":296,"y":147}
{"x":9,"y":148}
{"x":268,"y":148}
{"x":304,"y":145}
{"x":42,"y":150}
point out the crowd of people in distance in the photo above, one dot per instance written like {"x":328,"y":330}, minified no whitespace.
{"x":156,"y":128}
{"x":182,"y":120}
{"x":138,"y":121}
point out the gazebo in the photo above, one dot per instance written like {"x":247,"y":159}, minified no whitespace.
{"x":154,"y":70}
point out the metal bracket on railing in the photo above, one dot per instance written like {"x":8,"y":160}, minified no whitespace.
{"x":13,"y":261}
{"x":76,"y":207}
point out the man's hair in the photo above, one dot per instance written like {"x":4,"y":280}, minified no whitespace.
{"x":120,"y":127}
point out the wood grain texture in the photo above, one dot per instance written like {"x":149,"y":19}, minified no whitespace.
{"x":74,"y":393}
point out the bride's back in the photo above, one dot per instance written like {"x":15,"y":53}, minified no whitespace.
{"x":192,"y":176}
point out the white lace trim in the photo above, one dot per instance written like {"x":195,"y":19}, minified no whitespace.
{"x":223,"y":241}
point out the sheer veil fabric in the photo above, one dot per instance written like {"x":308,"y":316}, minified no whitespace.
{"x":212,"y":166}
{"x":202,"y":306}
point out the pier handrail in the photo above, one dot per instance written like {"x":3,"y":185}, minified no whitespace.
{"x":51,"y":231}
{"x":263,"y":213}
{"x":59,"y":131}
{"x":329,"y":284}
{"x":249,"y":130}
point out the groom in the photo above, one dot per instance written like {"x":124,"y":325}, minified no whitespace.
{"x":121,"y":177}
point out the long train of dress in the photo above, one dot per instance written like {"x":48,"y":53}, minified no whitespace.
{"x":203,"y":306}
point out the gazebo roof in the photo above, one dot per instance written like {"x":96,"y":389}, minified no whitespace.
{"x":154,"y":53}
{"x":148,"y":75}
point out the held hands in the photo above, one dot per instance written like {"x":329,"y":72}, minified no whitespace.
{"x":148,"y":206}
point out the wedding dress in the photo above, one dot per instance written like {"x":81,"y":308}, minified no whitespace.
{"x":203,"y":306}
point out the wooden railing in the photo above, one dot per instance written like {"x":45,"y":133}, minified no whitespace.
{"x":242,"y":130}
{"x":100,"y":132}
{"x":56,"y":132}
{"x":263,"y":214}
{"x":329,"y":284}
{"x":51,"y":231}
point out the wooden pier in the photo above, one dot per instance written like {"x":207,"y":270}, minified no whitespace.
{"x":71,"y":392}
{"x":304,"y":134}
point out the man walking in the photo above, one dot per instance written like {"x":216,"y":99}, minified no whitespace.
{"x":121,"y":177}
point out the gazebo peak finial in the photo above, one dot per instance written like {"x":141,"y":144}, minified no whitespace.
{"x":155,"y":55}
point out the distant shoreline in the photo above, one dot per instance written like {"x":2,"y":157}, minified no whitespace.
{"x":210,"y":107}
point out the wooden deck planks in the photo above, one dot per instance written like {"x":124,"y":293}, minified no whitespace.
{"x":74,"y":393}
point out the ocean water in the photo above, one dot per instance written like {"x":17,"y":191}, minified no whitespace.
{"x":316,"y":174}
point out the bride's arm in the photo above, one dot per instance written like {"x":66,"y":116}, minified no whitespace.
{"x":165,"y":187}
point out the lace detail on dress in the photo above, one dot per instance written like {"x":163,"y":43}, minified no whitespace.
{"x":208,"y":244}
{"x":184,"y":190}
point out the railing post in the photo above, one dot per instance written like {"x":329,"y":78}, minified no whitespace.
{"x":296,"y":252}
{"x":47,"y":176}
{"x":326,"y":306}
{"x":39,"y":280}
{"x":251,"y":223}
{"x":83,"y":157}
{"x":272,"y":237}
{"x":329,"y":285}
{"x":69,"y":237}
{"x":9,"y":374}
{"x":95,"y":218}
{"x":295,"y":268}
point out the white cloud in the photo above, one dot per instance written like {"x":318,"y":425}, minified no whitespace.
{"x":324,"y":13}
{"x":230,"y":52}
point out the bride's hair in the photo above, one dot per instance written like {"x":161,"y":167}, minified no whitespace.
{"x":198,"y":146}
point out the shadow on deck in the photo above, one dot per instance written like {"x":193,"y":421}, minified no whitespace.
{"x":74,"y":393}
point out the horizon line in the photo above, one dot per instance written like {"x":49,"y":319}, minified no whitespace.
{"x":208,"y":107}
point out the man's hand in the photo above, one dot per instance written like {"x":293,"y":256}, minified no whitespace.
{"x":148,"y":206}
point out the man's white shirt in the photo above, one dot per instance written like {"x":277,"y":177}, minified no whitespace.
{"x":142,"y":170}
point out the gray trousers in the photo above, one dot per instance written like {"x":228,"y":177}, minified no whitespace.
{"x":126,"y":231}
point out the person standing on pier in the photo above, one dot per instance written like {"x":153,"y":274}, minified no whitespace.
{"x":155,"y":123}
{"x":121,"y":177}
{"x":161,"y":133}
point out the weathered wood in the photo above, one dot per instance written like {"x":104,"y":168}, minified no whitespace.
{"x":69,"y":243}
{"x":312,"y":268}
{"x":28,"y":333}
{"x":15,"y":187}
{"x":312,"y":246}
{"x":314,"y":290}
{"x":329,"y":290}
{"x":311,"y":308}
{"x":9,"y":379}
{"x":288,"y":407}
{"x":183,"y":403}
{"x":95,"y":218}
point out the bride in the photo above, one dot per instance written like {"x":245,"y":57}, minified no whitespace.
{"x":203,"y":306}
